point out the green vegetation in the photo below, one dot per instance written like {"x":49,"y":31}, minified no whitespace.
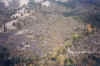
{"x":76,"y":36}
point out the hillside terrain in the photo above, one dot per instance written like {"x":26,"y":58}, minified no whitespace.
{"x":49,"y":32}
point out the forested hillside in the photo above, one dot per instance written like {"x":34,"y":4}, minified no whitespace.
{"x":49,"y":32}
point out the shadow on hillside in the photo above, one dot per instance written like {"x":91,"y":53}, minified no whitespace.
{"x":88,"y":11}
{"x":4,"y":49}
{"x":4,"y":54}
